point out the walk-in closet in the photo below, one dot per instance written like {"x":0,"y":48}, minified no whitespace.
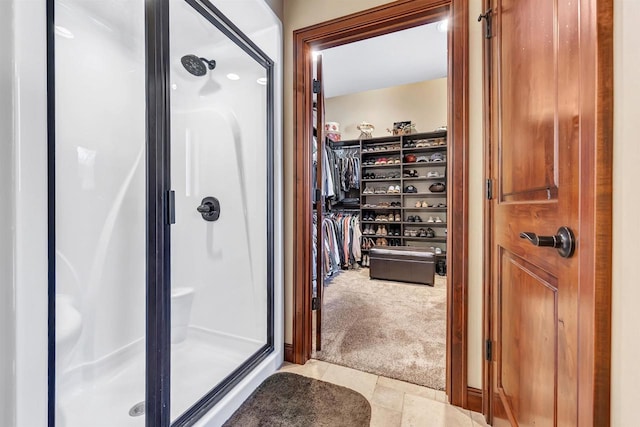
{"x":380,"y":200}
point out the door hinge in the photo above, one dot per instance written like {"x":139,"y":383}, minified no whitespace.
{"x":314,"y":303}
{"x":489,"y":189}
{"x":488,"y":350}
{"x":316,"y":86}
{"x":171,"y":207}
{"x":487,"y":17}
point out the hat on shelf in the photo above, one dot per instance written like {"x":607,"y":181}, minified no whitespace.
{"x":332,"y":131}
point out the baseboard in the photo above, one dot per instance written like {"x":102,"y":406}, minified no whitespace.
{"x":288,"y":353}
{"x":474,"y":399}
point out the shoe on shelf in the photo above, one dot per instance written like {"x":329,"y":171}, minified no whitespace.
{"x":438,"y":251}
{"x":410,"y":218}
{"x":430,"y":232}
{"x":390,"y":217}
{"x":438,"y":219}
{"x":407,"y":233}
{"x":422,"y":233}
{"x":430,"y":219}
{"x":418,"y":204}
{"x":397,"y":217}
{"x":418,"y":219}
{"x":425,"y":204}
{"x":391,"y":189}
{"x":433,"y":174}
{"x":396,"y":189}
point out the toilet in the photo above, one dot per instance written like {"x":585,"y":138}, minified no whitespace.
{"x":181,"y":301}
{"x":68,"y":328}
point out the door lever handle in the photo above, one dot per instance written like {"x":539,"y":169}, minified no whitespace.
{"x":564,"y":241}
{"x":209,"y":209}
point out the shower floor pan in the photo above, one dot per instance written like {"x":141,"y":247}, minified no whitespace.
{"x":197,"y":365}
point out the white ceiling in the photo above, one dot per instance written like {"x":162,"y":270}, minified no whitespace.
{"x":399,"y":58}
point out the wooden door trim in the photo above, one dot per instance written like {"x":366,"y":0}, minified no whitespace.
{"x":596,"y":213}
{"x":373,"y":22}
{"x":487,"y":373}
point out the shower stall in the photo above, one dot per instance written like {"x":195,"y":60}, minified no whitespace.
{"x":164,"y":213}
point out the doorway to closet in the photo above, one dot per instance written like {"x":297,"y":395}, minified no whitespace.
{"x":380,"y":208}
{"x":396,"y":16}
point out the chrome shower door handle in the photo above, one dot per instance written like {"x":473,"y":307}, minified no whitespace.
{"x":564,"y":241}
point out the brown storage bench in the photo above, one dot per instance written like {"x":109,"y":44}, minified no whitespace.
{"x":403,"y":264}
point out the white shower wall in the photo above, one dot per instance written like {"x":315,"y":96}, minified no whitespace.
{"x":100,"y":171}
{"x":7,"y":290}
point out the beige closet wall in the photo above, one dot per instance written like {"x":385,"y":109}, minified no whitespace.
{"x":625,"y":378}
{"x":423,"y":103}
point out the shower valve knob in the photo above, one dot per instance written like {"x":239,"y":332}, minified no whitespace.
{"x":209,"y":209}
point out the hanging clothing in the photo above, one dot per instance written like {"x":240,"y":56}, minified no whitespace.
{"x":345,"y":170}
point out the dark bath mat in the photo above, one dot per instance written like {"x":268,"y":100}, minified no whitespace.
{"x":291,"y":400}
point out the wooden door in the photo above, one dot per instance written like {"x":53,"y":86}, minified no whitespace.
{"x":544,"y":131}
{"x":320,"y":173}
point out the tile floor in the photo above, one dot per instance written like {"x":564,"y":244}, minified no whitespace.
{"x":393,"y":403}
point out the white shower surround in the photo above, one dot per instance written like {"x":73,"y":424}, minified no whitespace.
{"x":28,"y":164}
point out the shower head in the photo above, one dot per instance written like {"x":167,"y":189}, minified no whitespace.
{"x":196,"y":65}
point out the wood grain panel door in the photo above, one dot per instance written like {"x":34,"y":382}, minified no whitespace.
{"x":320,"y":174}
{"x":536,"y":139}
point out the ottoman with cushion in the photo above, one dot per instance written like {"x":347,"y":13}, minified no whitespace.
{"x":402,"y":264}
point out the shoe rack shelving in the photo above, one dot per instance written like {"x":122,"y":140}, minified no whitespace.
{"x":385,"y":166}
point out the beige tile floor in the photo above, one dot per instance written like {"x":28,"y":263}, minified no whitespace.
{"x":393,"y":403}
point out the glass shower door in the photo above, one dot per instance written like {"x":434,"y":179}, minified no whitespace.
{"x":220,"y":175}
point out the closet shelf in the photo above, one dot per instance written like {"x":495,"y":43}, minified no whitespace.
{"x":428,"y":209}
{"x":424,"y":178}
{"x":427,"y":239}
{"x":414,"y":164}
{"x":408,"y":208}
{"x":424,"y":223}
{"x":385,"y":175}
{"x":381,"y":153}
{"x":397,"y":165}
{"x":443,"y":194}
{"x":425,"y":149}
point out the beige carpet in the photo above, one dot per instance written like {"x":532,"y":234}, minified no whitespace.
{"x":392,"y":329}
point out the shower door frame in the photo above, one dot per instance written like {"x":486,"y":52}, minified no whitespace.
{"x":158,"y":213}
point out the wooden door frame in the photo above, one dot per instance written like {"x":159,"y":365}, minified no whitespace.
{"x":595,"y":223}
{"x":395,"y":16}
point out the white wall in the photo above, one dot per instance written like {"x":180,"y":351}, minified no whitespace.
{"x":7,"y":290}
{"x":277,"y":6}
{"x":625,"y":392}
{"x":30,"y":189}
{"x":423,"y":103}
